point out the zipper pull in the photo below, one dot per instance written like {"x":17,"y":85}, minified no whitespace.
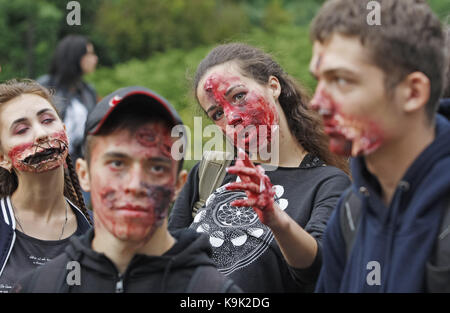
{"x":119,"y":285}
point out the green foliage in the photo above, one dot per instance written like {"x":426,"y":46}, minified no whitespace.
{"x":141,"y":27}
{"x":27,"y":36}
{"x":170,"y":73}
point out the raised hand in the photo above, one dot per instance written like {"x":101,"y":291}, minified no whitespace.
{"x":256,"y":185}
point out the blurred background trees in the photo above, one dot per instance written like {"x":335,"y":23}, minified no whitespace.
{"x":159,"y":43}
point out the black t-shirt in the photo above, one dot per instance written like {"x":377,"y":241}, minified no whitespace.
{"x":243,"y":248}
{"x":28,"y":254}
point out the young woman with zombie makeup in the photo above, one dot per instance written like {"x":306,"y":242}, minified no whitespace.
{"x":40,"y":197}
{"x":266,"y":221}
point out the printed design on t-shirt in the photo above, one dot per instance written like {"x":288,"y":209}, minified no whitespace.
{"x":236,"y":234}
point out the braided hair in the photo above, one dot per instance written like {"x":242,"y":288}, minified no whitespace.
{"x":72,"y":189}
{"x":8,"y":180}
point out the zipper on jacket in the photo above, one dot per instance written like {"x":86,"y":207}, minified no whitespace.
{"x":119,"y":284}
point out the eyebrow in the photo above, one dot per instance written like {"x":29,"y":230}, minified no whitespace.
{"x":123,"y":155}
{"x":18,"y":121}
{"x":338,"y":70}
{"x":232,"y":88}
{"x":115,"y":155}
{"x":161,"y":160}
{"x":211,"y":108}
{"x":42,"y":111}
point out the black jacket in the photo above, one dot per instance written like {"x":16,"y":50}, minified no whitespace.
{"x":186,"y":267}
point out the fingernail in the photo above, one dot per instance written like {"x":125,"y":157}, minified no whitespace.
{"x":262,"y":187}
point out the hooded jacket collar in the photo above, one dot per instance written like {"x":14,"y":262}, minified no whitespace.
{"x":367,"y":184}
{"x":190,"y":250}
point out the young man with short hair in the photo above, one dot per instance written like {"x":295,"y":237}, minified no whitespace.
{"x":378,"y":91}
{"x":132,"y":173}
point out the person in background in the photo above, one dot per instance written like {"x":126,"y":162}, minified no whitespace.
{"x":40,"y":197}
{"x":73,"y":58}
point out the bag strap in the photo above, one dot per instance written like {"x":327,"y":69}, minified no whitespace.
{"x":441,"y":253}
{"x":350,"y":213}
{"x":210,"y":175}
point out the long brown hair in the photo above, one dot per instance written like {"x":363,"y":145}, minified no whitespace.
{"x":8,"y":180}
{"x":304,"y":123}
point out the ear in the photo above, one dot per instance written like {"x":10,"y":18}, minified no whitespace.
{"x":415,"y":91}
{"x":82,"y":170}
{"x":5,"y":163}
{"x":275,"y":87}
{"x":182,"y":178}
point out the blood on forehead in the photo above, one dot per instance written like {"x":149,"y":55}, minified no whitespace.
{"x":156,"y":136}
{"x":216,"y":86}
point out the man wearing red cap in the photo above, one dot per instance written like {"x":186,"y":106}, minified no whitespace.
{"x":133,"y":176}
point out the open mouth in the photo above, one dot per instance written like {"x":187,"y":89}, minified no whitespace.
{"x":46,"y":155}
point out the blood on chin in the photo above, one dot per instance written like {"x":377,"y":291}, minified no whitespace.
{"x":129,"y":226}
{"x":341,"y":145}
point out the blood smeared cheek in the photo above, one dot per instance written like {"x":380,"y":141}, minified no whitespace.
{"x":131,"y":204}
{"x":260,"y":116}
{"x":350,"y":134}
{"x":249,"y":120}
{"x":25,"y":157}
{"x":128,"y":217}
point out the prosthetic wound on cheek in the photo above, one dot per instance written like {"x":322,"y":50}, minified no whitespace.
{"x":250,"y":120}
{"x":350,"y":135}
{"x":38,"y":157}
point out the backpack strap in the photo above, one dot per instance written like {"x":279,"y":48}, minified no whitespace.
{"x":210,"y":175}
{"x":438,"y":266}
{"x":350,"y":213}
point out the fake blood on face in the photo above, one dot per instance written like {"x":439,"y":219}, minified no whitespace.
{"x":350,"y":135}
{"x":129,"y":200}
{"x":244,"y":116}
{"x":28,"y":157}
{"x":129,"y":218}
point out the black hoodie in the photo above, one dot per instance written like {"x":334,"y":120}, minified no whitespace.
{"x":186,"y":267}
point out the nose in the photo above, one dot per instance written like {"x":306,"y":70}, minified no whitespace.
{"x":233,"y":117}
{"x":321,"y":102}
{"x":41,"y":134}
{"x":234,"y":120}
{"x":134,"y":185}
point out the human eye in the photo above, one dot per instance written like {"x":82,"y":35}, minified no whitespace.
{"x":20,"y":130}
{"x":115,"y":164}
{"x":239,"y":97}
{"x":159,"y":169}
{"x":340,"y":81}
{"x":47,"y":119}
{"x":217,"y":115}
